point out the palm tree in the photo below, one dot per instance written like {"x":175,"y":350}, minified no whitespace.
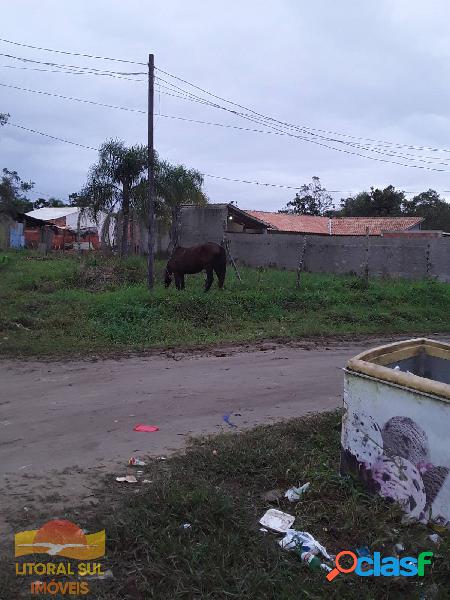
{"x":115,"y":183}
{"x":177,"y":185}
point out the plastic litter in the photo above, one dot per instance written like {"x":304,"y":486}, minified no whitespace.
{"x":186,"y":526}
{"x":136,"y":462}
{"x":294,"y":540}
{"x":435,"y":538}
{"x":226,"y":418}
{"x":294,"y":494}
{"x":399,"y":547}
{"x":127,"y":479}
{"x":312,"y":561}
{"x":277,"y":521}
{"x":147,"y":428}
{"x":363,"y":551}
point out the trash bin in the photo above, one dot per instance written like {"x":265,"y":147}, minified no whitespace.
{"x":396,"y":425}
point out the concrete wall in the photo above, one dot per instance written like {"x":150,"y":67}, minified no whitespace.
{"x":410,"y":258}
{"x":388,"y":257}
{"x":199,"y":224}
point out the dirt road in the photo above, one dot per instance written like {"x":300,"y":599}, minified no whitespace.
{"x":56,"y":415}
{"x":79,"y":415}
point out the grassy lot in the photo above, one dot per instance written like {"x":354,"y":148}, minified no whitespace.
{"x":68,"y":305}
{"x":217,"y":487}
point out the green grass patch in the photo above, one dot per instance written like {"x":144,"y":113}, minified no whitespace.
{"x":217,"y":487}
{"x":71,"y":305}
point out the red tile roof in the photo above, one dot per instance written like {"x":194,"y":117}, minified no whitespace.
{"x":376,"y":225}
{"x":339,"y":225}
{"x":299,"y":223}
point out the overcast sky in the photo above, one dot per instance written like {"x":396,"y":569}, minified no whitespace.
{"x":377,"y":69}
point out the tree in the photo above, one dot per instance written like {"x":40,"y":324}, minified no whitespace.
{"x":376,"y":203}
{"x":434,"y":209}
{"x":51,"y":202}
{"x":311,"y":199}
{"x":13,"y":191}
{"x":116,"y":182}
{"x":175,"y":186}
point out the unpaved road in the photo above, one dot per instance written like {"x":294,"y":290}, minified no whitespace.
{"x":55,"y":415}
{"x":79,"y":415}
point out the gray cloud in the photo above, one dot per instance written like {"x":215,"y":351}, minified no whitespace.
{"x":375,"y":69}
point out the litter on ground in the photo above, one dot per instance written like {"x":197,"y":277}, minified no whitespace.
{"x":226,"y":418}
{"x":136,"y":462}
{"x":293,"y":540}
{"x":276,"y":520}
{"x":435,"y":538}
{"x":147,"y":428}
{"x":127,"y":479}
{"x":363,"y":551}
{"x":294,"y":494}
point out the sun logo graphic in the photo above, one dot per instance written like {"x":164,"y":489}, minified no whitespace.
{"x":60,"y":538}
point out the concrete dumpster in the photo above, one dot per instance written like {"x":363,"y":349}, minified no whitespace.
{"x":396,"y":425}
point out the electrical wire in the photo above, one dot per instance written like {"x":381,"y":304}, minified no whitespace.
{"x":71,"y":72}
{"x":259,"y":183}
{"x":72,"y":53}
{"x":53,"y":137}
{"x":303,"y":128}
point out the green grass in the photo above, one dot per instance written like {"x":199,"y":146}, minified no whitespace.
{"x":68,"y":305}
{"x":217,"y":487}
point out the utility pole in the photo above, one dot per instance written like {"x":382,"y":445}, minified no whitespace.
{"x":151,"y":175}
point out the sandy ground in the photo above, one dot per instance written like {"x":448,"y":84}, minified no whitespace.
{"x":64,"y":424}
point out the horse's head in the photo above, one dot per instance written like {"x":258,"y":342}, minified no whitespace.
{"x":167,"y":277}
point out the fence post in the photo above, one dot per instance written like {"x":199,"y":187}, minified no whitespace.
{"x":428,"y":261}
{"x":365,"y":270}
{"x":300,"y":261}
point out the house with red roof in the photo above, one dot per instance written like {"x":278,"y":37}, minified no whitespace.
{"x":285,"y":223}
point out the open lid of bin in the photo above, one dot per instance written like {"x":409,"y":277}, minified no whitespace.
{"x":419,"y":364}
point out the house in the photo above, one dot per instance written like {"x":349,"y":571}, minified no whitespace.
{"x":285,"y":223}
{"x":13,"y":228}
{"x":65,"y":218}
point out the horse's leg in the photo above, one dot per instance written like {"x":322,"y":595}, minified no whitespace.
{"x":209,"y":278}
{"x":182,"y":281}
{"x":177,"y":281}
{"x":220,"y":272}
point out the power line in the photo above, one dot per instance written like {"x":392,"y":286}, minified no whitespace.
{"x":16,"y":87}
{"x":71,"y":72}
{"x":77,"y":67}
{"x":303,"y":128}
{"x":72,"y":53}
{"x":236,"y":180}
{"x":53,"y":137}
{"x":277,"y":130}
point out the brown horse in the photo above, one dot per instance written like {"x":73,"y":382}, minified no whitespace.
{"x":207,"y":257}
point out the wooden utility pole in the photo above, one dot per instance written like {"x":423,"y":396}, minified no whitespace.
{"x":151,"y":175}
